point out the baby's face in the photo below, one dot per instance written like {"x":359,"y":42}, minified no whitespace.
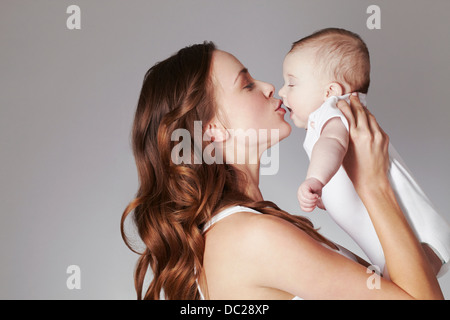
{"x":303,"y":90}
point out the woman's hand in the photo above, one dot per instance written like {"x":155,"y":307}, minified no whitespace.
{"x":367,"y":158}
{"x":367,"y":163}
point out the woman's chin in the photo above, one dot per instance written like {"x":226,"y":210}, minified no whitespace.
{"x":285,"y":131}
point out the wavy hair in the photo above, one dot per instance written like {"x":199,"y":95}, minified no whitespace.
{"x":174,"y":201}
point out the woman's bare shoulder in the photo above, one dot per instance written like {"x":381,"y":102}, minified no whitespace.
{"x":248,"y":228}
{"x":246,"y":240}
{"x":264,"y":251}
{"x":235,"y":249}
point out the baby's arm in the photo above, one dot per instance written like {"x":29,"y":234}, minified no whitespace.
{"x":326,"y":158}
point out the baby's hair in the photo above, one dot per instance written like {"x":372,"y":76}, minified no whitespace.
{"x":342,"y":55}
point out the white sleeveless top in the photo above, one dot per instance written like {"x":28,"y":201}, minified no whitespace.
{"x":229,"y":211}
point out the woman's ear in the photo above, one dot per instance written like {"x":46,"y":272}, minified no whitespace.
{"x":215,"y":133}
{"x":334,"y":89}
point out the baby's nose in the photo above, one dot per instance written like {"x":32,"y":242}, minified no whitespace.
{"x":281,"y":93}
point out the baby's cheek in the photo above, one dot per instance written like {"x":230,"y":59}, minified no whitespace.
{"x":288,"y":101}
{"x":294,"y":100}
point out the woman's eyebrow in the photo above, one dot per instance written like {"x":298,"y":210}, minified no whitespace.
{"x":243,"y":71}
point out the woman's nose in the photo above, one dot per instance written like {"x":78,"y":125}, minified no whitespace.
{"x":269,"y":89}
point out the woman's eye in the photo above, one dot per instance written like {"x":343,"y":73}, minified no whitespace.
{"x":250,"y":86}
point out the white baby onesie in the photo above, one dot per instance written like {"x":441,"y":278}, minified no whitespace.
{"x":346,"y":208}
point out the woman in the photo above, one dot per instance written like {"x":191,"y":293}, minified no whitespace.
{"x":208,"y":231}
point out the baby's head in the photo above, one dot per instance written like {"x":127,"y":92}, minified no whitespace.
{"x":330,"y":62}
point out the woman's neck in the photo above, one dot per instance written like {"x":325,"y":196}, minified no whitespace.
{"x":250,"y":168}
{"x":252,"y":173}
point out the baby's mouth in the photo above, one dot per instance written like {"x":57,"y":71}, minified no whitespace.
{"x":290,"y":110}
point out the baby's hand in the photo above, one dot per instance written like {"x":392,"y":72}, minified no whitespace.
{"x":309,"y":194}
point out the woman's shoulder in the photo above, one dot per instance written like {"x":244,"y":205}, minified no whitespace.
{"x":237,"y":248}
{"x":248,"y":234}
{"x":247,"y":224}
{"x":248,"y":251}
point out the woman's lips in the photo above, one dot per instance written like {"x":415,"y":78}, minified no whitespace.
{"x":280,"y":107}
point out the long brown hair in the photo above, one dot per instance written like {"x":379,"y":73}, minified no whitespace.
{"x":174,"y":201}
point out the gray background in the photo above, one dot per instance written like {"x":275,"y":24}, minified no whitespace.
{"x":67,"y":99}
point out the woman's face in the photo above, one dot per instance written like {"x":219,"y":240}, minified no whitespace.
{"x":246,"y":103}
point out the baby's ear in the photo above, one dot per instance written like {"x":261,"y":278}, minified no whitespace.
{"x":334,"y":89}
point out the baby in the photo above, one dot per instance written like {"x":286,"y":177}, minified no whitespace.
{"x":318,"y":71}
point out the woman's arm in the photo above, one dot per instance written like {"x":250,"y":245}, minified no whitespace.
{"x":366,"y":164}
{"x":282,"y":257}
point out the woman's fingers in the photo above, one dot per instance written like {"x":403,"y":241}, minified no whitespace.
{"x":359,"y":112}
{"x":367,"y":158}
{"x":347,"y":111}
{"x":380,"y":137}
{"x":354,"y":112}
